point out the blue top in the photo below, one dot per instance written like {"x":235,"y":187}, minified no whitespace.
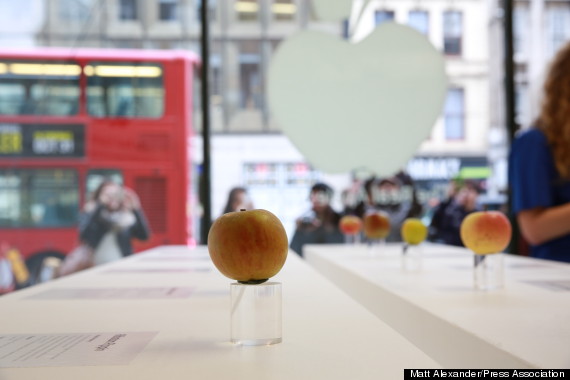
{"x":535,"y":182}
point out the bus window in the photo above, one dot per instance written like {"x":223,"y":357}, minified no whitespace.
{"x":39,"y":88}
{"x":38,"y":198}
{"x":130,"y":89}
{"x":96,"y":176}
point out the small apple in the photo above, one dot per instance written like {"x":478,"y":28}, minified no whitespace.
{"x":486,"y":232}
{"x":413,"y":231}
{"x":376,"y":225}
{"x":248,"y":246}
{"x":350,"y":224}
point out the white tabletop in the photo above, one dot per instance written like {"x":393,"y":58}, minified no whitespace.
{"x":326,"y":334}
{"x":524,"y":325}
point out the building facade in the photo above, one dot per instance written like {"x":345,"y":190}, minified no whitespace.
{"x":244,"y":35}
{"x":540,"y":28}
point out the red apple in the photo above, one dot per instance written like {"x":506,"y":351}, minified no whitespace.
{"x":350,"y":224}
{"x":376,"y":225}
{"x":486,"y":232}
{"x":248,"y":246}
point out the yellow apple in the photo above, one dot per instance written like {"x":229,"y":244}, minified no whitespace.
{"x":413,"y":231}
{"x":248,"y":246}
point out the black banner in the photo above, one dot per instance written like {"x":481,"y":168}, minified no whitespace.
{"x":42,"y":140}
{"x":486,"y":373}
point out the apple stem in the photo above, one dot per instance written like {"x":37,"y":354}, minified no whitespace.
{"x":242,"y":209}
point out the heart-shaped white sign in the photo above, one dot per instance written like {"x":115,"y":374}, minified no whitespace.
{"x":347,"y":106}
{"x":328,"y":10}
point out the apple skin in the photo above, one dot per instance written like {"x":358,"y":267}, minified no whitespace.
{"x":486,"y":232}
{"x":413,"y":231}
{"x":350,"y":224}
{"x":248,"y":246}
{"x":376,"y":225}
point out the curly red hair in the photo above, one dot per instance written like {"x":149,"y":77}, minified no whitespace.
{"x":554,"y":119}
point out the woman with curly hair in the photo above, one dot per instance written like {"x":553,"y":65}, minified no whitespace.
{"x":539,"y":169}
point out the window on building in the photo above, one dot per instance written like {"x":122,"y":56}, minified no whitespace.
{"x":211,"y":10}
{"x":74,"y":10}
{"x":419,"y":20}
{"x":247,"y":10}
{"x":521,"y":103}
{"x":168,"y":10}
{"x":284,"y":10}
{"x":383,"y":16}
{"x":452,"y":32}
{"x":520,"y":28}
{"x":251,"y":96}
{"x":128,"y":10}
{"x":558,"y":27}
{"x":454,"y":114}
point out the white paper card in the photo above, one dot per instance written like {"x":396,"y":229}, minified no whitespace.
{"x":65,"y":350}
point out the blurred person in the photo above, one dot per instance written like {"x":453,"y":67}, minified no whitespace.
{"x":107,"y":224}
{"x":539,"y":168}
{"x":238,"y":199}
{"x":438,"y":210}
{"x":364,"y":197}
{"x":391,"y":197}
{"x":319,"y":225}
{"x":446,"y":222}
{"x":416,"y":208}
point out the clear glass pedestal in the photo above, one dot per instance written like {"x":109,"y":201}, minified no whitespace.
{"x":412,"y":257}
{"x":256,"y":314}
{"x":488,"y":271}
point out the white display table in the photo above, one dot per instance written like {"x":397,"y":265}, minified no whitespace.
{"x":172,"y":306}
{"x":524,"y":325}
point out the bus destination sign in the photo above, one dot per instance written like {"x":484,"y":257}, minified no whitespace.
{"x":42,"y":140}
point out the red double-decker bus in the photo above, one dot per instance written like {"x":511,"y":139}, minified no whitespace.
{"x":70,"y":118}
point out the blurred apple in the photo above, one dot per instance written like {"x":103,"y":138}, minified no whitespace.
{"x":376,"y":225}
{"x":350,"y":224}
{"x":248,"y":246}
{"x":413,"y":231}
{"x":486,"y":232}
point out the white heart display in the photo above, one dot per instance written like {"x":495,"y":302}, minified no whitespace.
{"x":347,"y":106}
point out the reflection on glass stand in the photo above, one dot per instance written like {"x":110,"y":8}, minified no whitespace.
{"x":412,"y":257}
{"x":352,"y":238}
{"x":488,"y":271}
{"x":255,"y":314}
{"x":376,"y":247}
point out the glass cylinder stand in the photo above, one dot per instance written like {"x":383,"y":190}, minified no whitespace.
{"x":255,"y":314}
{"x":488,"y":271}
